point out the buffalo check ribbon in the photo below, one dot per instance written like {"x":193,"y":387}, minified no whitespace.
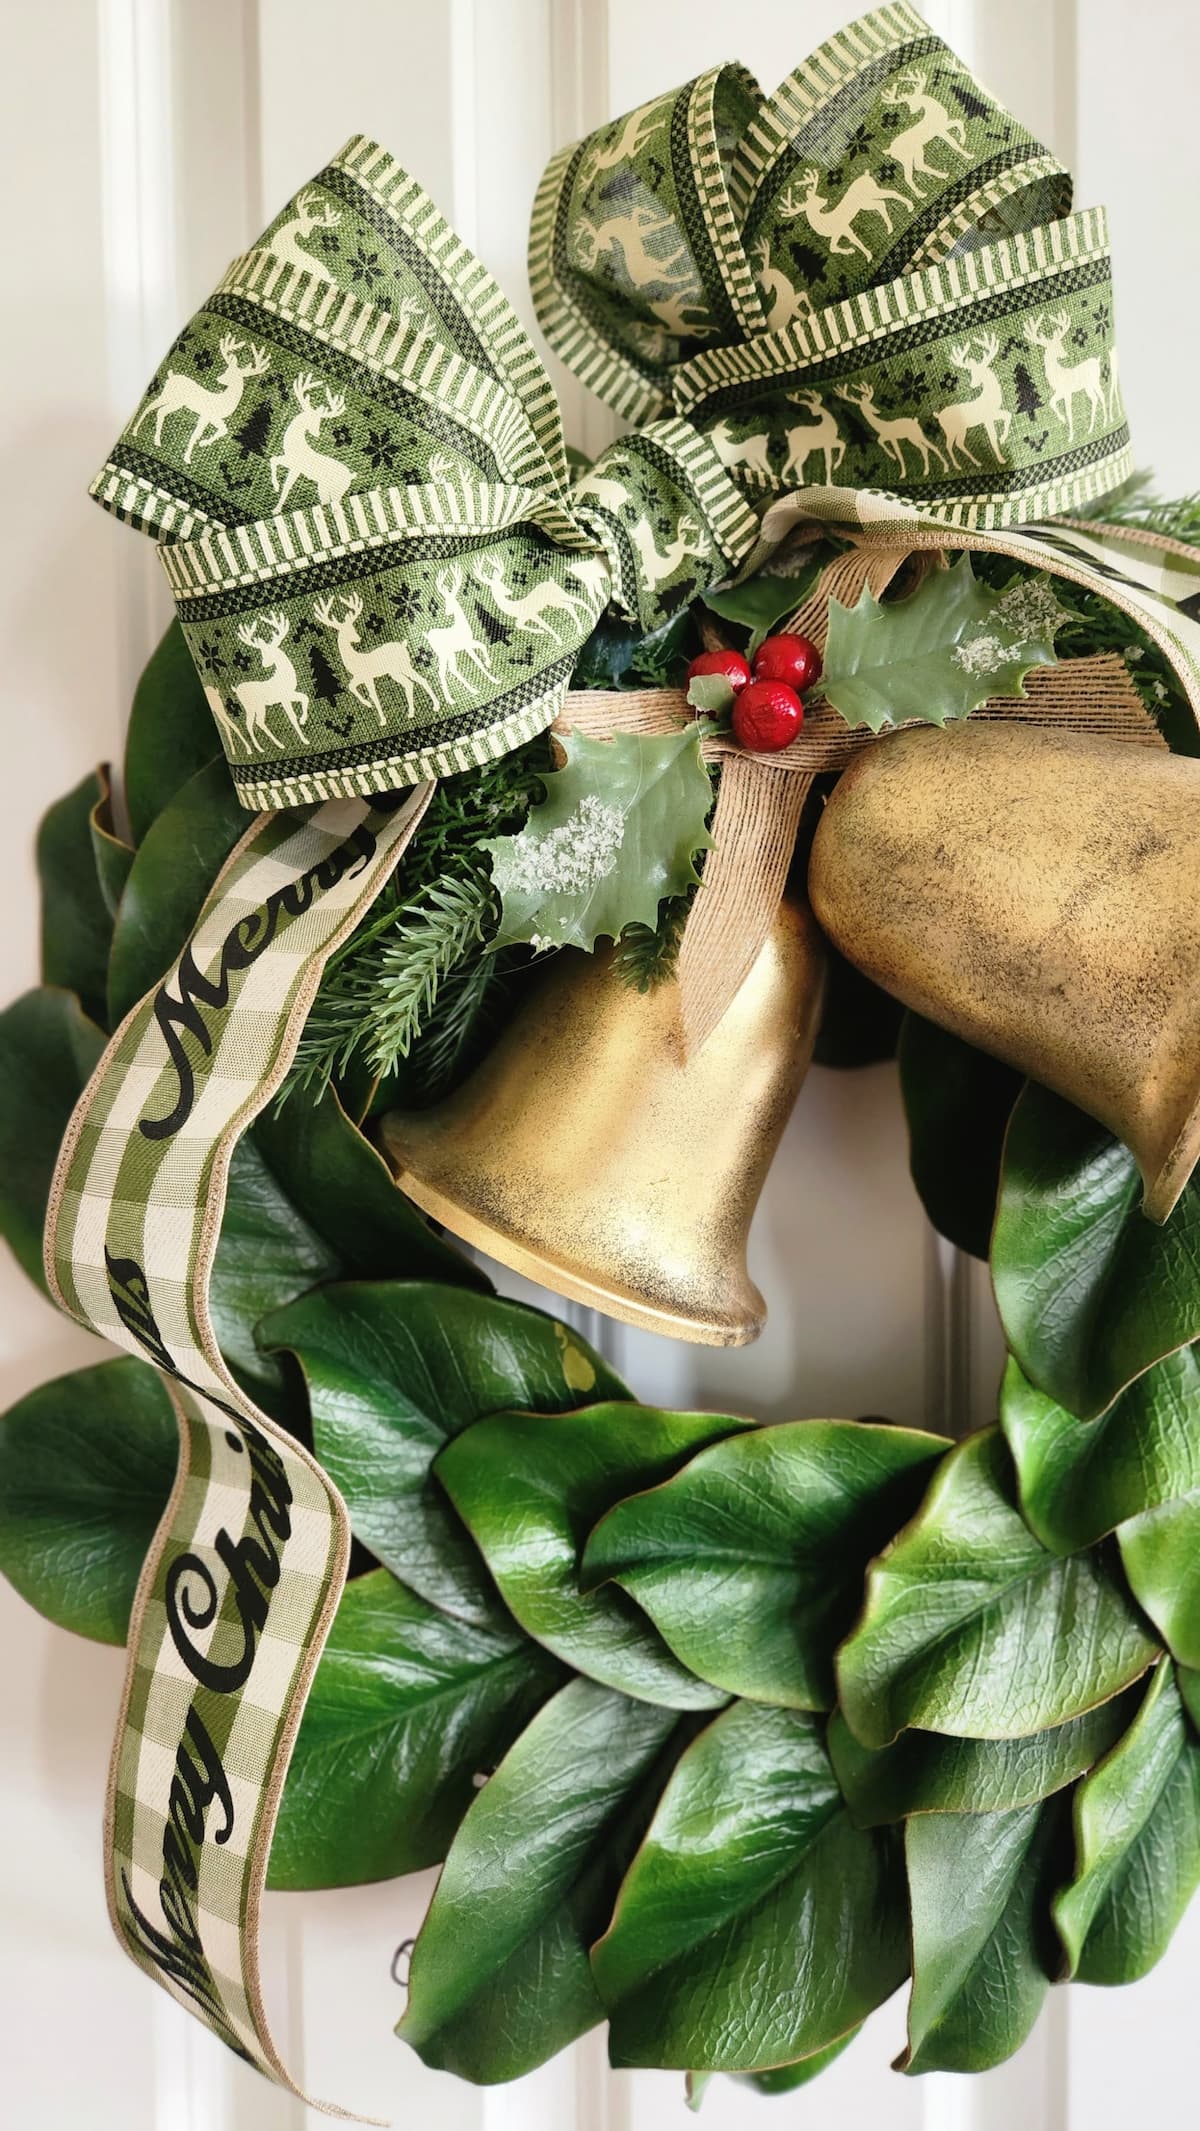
{"x":352,"y":461}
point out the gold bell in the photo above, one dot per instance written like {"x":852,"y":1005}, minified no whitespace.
{"x":584,"y":1154}
{"x":1035,"y":892}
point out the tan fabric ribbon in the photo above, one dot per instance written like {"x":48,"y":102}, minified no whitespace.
{"x":762,"y":797}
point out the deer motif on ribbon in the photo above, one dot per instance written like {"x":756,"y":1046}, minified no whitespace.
{"x":365,"y":669}
{"x":298,"y":458}
{"x":985,"y":410}
{"x":1069,"y":381}
{"x":312,"y":214}
{"x":210,"y":407}
{"x":834,"y":220}
{"x":933,"y":123}
{"x":280,"y":690}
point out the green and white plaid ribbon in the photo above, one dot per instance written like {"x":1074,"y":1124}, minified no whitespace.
{"x":353,"y":463}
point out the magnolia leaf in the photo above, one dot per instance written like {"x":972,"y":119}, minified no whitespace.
{"x":1160,"y":1554}
{"x":958,"y":1102}
{"x":408,"y":1711}
{"x":759,"y":602}
{"x":616,"y":833}
{"x":972,"y":1627}
{"x":169,"y":882}
{"x":113,"y":856}
{"x":979,"y":1888}
{"x":500,"y":1978}
{"x":267,"y":1254}
{"x":86,"y":1465}
{"x":711,"y":692}
{"x":1090,"y":1292}
{"x":344,"y":1189}
{"x":171,"y":732}
{"x":76,"y":923}
{"x":750,"y":1561}
{"x":938,"y":654}
{"x":393,"y":1370}
{"x":756,"y":1924}
{"x":1081,"y":1479}
{"x":784,"y":2079}
{"x":48,"y":1052}
{"x":530,"y":1487}
{"x":922,"y":1772}
{"x":1137,"y":1839}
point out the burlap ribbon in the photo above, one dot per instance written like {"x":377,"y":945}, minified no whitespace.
{"x":352,"y":460}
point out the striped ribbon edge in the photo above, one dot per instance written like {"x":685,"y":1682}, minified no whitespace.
{"x":633,"y":393}
{"x":161,"y":1778}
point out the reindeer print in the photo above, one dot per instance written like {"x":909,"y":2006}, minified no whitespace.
{"x":1069,"y":381}
{"x":746,"y":455}
{"x":984,"y":410}
{"x":819,"y":436}
{"x":392,"y":662}
{"x":311,"y":214}
{"x":893,"y":435}
{"x":834,"y":220}
{"x":456,"y":646}
{"x":530,"y":611}
{"x":209,"y":408}
{"x":298,"y":458}
{"x":279,"y":691}
{"x":933,"y":123}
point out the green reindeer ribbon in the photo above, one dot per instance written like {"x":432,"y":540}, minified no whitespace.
{"x":353,"y":463}
{"x":353,"y":459}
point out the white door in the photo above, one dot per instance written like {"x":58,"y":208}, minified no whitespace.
{"x":144,"y":142}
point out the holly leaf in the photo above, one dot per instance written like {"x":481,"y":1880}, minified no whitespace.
{"x":979,"y":1888}
{"x":500,"y":1978}
{"x":393,"y":1370}
{"x":750,"y":1561}
{"x":1081,"y":1479}
{"x":711,"y":692}
{"x":529,"y":1487}
{"x":1137,"y":1841}
{"x":408,"y":1711}
{"x":86,"y":1465}
{"x":938,"y":654}
{"x":972,"y":1627}
{"x":616,"y":833}
{"x":759,"y":602}
{"x":922,"y":1772}
{"x":1090,"y":1292}
{"x":750,"y":1869}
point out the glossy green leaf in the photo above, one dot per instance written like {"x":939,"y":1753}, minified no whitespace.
{"x":958,"y":1102}
{"x":750,"y":1562}
{"x":759,"y":603}
{"x":76,"y":924}
{"x":344,"y":1189}
{"x":1160,"y":1553}
{"x":408,"y":1710}
{"x":979,"y":1886}
{"x":500,"y":1977}
{"x":530,"y":1487}
{"x":171,"y":732}
{"x":1137,"y":1841}
{"x":177,"y":862}
{"x":972,"y":1627}
{"x":756,"y":1924}
{"x":1081,"y":1479}
{"x":785,"y":2079}
{"x":48,"y":1052}
{"x":924,"y":1772}
{"x":937,"y":654}
{"x":618,"y":831}
{"x":267,"y":1254}
{"x":86,"y":1465}
{"x":1091,"y":1293}
{"x":859,"y":1023}
{"x":392,"y":1372}
{"x":113,"y":856}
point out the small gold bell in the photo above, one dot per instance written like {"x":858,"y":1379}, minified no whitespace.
{"x":1038,"y":893}
{"x":583,"y":1154}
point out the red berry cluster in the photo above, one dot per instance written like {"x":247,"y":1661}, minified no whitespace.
{"x":767,"y":711}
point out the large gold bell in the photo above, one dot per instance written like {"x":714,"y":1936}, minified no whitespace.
{"x":1037,"y":893}
{"x":584,"y":1154}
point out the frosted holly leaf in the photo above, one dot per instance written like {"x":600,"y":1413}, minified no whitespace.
{"x":940,"y":653}
{"x":618,"y":831}
{"x":711,"y":692}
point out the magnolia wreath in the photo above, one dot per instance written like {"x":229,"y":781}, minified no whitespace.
{"x":579,"y":820}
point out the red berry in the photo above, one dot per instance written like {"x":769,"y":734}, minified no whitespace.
{"x":766,"y":716}
{"x":730,"y":663}
{"x":788,"y":658}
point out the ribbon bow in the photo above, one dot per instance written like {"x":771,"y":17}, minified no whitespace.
{"x":353,"y":460}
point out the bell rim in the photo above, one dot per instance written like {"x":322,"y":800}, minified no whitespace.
{"x":575,"y":1287}
{"x":1164,"y":1190}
